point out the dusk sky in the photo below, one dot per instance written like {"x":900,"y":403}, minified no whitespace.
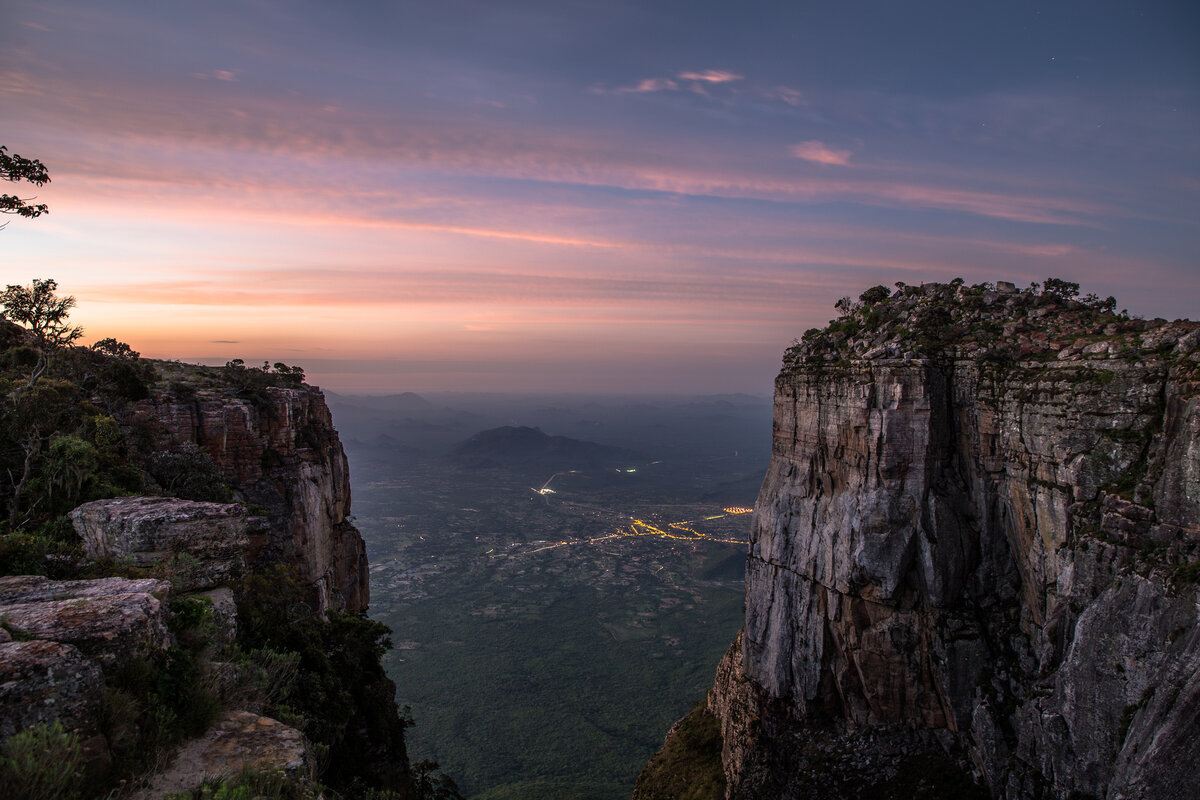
{"x":602,"y":196}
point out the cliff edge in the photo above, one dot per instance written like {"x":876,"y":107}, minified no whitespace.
{"x":182,"y":591}
{"x":278,"y":450}
{"x":975,"y":556}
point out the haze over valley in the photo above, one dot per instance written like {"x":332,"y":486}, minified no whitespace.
{"x":556,"y":602}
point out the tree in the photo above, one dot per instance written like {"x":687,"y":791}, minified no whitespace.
{"x":115,"y":349}
{"x":1060,"y":290}
{"x":14,"y":168}
{"x":876,"y":294}
{"x":44,"y":314}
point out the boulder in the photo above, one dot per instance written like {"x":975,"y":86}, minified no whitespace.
{"x":203,"y":545}
{"x":110,"y":620}
{"x":41,"y":681}
{"x":238,"y":739}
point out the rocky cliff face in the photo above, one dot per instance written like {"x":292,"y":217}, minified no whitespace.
{"x":978,"y":541}
{"x":102,"y":657}
{"x":279,"y":451}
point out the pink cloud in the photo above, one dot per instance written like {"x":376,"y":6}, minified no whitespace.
{"x":647,"y":85}
{"x":710,"y":76}
{"x":819,"y":153}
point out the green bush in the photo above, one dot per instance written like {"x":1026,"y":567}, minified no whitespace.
{"x":189,"y":473}
{"x":876,"y":294}
{"x":50,"y":548}
{"x":42,"y":762}
{"x":688,"y":767}
{"x":160,"y":699}
{"x":340,"y":698}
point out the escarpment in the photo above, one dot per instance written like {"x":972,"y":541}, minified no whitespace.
{"x":216,"y":632}
{"x":975,"y":556}
{"x":279,"y":451}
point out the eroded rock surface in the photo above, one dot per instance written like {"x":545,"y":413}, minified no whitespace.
{"x":41,"y":681}
{"x":238,"y":739}
{"x":58,"y":640}
{"x":996,"y":542}
{"x":110,"y":620}
{"x":205,"y":544}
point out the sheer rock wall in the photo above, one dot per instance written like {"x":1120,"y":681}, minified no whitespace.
{"x":1000,"y":558}
{"x":280,"y":452}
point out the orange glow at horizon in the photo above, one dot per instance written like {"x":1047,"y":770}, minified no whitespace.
{"x":467,"y":214}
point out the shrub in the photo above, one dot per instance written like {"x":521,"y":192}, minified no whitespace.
{"x":433,"y":785}
{"x":252,"y":783}
{"x":162,"y":698}
{"x":42,"y":762}
{"x":876,"y":294}
{"x":51,"y":549}
{"x":189,"y":473}
{"x":1061,"y":290}
{"x":341,"y":698}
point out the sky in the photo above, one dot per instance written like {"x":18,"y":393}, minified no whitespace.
{"x":586,"y":195}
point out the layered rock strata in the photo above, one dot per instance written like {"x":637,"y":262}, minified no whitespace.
{"x":201,"y":545}
{"x":993,"y":550}
{"x":279,"y":452}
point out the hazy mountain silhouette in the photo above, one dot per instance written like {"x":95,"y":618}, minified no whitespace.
{"x":510,"y":446}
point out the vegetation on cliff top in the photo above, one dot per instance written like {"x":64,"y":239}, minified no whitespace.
{"x":996,"y":323}
{"x":688,"y":767}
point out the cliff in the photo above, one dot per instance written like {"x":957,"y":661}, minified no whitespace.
{"x":974,"y":556}
{"x":210,"y":634}
{"x":279,"y":451}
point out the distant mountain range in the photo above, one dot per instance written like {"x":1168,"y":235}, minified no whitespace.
{"x":510,"y":446}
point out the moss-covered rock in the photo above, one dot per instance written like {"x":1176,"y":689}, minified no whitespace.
{"x":688,"y":767}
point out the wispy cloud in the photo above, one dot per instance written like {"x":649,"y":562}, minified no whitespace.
{"x":711,"y":76}
{"x":287,"y":140}
{"x":226,"y":75}
{"x":696,"y":81}
{"x":820,"y":153}
{"x":793,"y":97}
{"x":647,"y":85}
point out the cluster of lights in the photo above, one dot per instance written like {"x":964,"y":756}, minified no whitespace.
{"x":674,"y":530}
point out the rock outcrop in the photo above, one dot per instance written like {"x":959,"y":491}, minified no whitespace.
{"x":237,"y":740}
{"x":979,"y":533}
{"x":279,"y":451}
{"x":113,"y":658}
{"x":60,"y":639}
{"x":201,"y":545}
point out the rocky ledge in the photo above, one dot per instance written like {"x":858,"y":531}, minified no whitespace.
{"x":201,"y":545}
{"x":237,"y":740}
